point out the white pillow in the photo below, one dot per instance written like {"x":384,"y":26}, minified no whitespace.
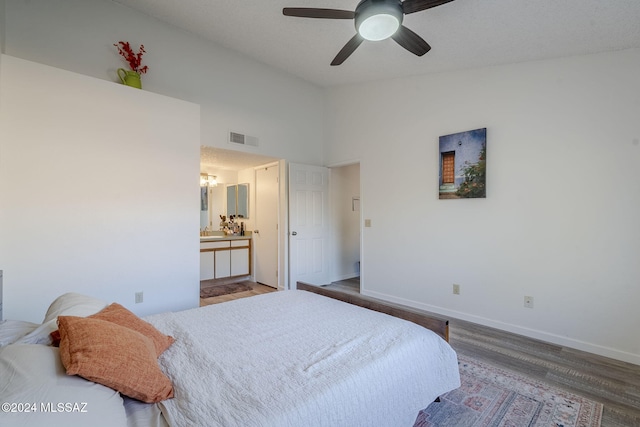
{"x":12,"y":330}
{"x":69,"y":304}
{"x":33,"y":374}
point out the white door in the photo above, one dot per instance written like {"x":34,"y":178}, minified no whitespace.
{"x":308,"y":225}
{"x":266,"y":240}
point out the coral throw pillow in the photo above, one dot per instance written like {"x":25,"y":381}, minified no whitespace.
{"x":112,"y":355}
{"x":119,"y":315}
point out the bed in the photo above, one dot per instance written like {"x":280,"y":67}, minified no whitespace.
{"x":292,"y":358}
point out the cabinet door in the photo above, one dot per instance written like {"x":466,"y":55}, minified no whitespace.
{"x":239,"y":262}
{"x":206,"y":265}
{"x":223,"y":264}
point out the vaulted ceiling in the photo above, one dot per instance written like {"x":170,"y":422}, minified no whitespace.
{"x":463,"y":34}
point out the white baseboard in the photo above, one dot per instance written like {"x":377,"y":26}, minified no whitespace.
{"x":508,"y":327}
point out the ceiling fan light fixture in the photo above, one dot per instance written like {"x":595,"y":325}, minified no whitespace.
{"x":378,"y":20}
{"x":378,"y":27}
{"x":374,"y":20}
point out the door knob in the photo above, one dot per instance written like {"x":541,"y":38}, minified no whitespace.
{"x":294,"y":233}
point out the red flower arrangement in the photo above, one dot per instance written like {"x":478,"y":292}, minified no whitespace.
{"x":134,"y":59}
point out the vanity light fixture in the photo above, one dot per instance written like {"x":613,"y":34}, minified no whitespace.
{"x":208,"y":180}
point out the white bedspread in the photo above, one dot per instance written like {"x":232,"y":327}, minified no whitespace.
{"x":298,"y":359}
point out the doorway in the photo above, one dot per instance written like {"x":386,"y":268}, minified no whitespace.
{"x":346,"y":229}
{"x":232,"y":168}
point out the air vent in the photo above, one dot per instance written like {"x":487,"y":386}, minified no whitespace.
{"x":242,"y":139}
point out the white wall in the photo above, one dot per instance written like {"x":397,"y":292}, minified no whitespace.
{"x":560,"y":221}
{"x":98,"y":191}
{"x":234,"y":92}
{"x":345,"y":230}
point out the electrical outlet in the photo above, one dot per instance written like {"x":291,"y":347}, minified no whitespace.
{"x":139,"y":297}
{"x":528,"y":302}
{"x":456,"y":289}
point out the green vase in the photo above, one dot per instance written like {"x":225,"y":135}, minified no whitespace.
{"x":130,"y":78}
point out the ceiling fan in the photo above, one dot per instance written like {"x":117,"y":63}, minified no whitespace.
{"x":374,"y":20}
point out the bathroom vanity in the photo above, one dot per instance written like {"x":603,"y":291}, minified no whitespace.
{"x":224,"y":256}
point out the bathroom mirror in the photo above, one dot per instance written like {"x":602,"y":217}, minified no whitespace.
{"x":212,"y":205}
{"x":238,"y":200}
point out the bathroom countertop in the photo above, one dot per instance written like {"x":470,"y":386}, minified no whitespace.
{"x":219,"y":238}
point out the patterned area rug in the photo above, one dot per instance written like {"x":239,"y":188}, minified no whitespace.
{"x":223,"y":289}
{"x":492,"y":396}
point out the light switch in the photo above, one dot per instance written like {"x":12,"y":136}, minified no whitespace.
{"x":367,"y":223}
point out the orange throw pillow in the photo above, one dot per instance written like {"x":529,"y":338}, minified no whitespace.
{"x":119,"y":315}
{"x":114,"y":356}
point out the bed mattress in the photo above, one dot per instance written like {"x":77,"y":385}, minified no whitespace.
{"x":295,"y":358}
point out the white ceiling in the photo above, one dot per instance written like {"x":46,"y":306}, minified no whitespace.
{"x":214,"y":160}
{"x":463,"y":34}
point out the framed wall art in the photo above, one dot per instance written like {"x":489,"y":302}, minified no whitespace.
{"x":463,"y":165}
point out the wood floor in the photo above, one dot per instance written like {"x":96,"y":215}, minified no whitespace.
{"x":613,"y":383}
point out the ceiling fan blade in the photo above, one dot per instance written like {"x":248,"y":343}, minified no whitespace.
{"x":412,"y":6}
{"x":347,"y":50}
{"x":311,"y":12}
{"x":411,"y":41}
